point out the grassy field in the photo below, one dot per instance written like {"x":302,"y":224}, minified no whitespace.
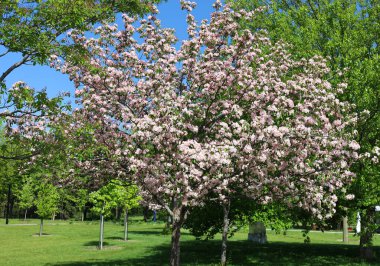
{"x":75,"y":244}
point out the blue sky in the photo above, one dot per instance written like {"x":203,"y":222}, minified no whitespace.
{"x":40,"y":77}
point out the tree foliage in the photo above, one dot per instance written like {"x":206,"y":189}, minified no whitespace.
{"x":347,"y":34}
{"x":229,"y":111}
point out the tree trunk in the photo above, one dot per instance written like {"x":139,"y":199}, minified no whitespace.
{"x":175,"y":250}
{"x":53,"y":216}
{"x":8,"y":205}
{"x":226,"y":224}
{"x":82,"y":216}
{"x":101,"y":236}
{"x":116,"y":213}
{"x":41,"y":226}
{"x":26,"y":211}
{"x":85,"y":213}
{"x":145,"y":214}
{"x":345,"y":229}
{"x":179,"y":214}
{"x":366,"y":234}
{"x":126,"y":225}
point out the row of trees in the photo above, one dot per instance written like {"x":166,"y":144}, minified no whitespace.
{"x":233,"y":114}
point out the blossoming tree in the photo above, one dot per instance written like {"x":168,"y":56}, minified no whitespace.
{"x":228,"y":109}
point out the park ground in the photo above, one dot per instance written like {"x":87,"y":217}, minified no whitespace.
{"x":74,"y":243}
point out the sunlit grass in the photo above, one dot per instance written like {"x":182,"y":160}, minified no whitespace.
{"x":75,"y":243}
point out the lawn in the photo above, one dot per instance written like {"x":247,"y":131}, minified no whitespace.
{"x":74,"y":243}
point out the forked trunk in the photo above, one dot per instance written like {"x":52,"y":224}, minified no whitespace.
{"x":126,"y":225}
{"x":226,"y":225}
{"x":41,"y":226}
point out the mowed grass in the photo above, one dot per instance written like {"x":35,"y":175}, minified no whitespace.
{"x":76,"y":244}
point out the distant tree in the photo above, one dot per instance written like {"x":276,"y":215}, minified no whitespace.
{"x":82,"y":198}
{"x":46,"y":202}
{"x":103,"y":201}
{"x":127,"y":197}
{"x":26,"y":197}
{"x":114,"y":194}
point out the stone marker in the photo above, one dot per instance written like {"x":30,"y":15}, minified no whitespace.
{"x":257,"y":233}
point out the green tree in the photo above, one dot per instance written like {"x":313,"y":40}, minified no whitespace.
{"x":25,"y":197}
{"x":103,"y":202}
{"x":127,"y":198}
{"x":114,"y":194}
{"x":46,"y":202}
{"x":34,"y":28}
{"x":347,"y":33}
{"x":82,"y":197}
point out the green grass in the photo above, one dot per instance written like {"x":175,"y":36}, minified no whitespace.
{"x":75,"y":244}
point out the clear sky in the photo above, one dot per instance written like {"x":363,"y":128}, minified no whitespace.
{"x":40,"y":77}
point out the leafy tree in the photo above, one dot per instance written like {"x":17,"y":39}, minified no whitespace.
{"x":103,"y":201}
{"x":34,"y":28}
{"x":46,"y":202}
{"x":10,"y":180}
{"x":346,"y":33}
{"x":229,"y":111}
{"x":114,"y":194}
{"x":127,"y":198}
{"x":82,"y":198}
{"x":25,"y":197}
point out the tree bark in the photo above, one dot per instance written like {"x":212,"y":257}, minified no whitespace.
{"x":82,"y":216}
{"x":116,"y":213}
{"x":26,"y":211}
{"x":41,"y":225}
{"x":175,"y":250}
{"x":101,"y":236}
{"x":366,"y":234}
{"x":179,"y":214}
{"x":226,"y":224}
{"x":126,"y":225}
{"x":8,"y":205}
{"x":345,"y":229}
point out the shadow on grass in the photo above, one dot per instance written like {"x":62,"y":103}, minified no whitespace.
{"x":94,"y":243}
{"x":196,"y":252}
{"x":155,"y":231}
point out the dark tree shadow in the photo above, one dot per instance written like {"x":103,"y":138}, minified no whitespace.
{"x":199,"y":252}
{"x":95,"y":243}
{"x":114,"y":238}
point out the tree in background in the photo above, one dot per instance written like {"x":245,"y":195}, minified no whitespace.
{"x":346,"y":33}
{"x":46,"y":202}
{"x":82,"y":198}
{"x":229,"y":109}
{"x":127,"y":197}
{"x":25,"y":197}
{"x":113,"y":195}
{"x":103,"y":200}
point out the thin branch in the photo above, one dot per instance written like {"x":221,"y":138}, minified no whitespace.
{"x":14,"y":66}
